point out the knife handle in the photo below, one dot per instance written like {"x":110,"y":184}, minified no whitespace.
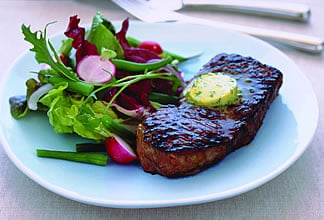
{"x":279,"y":9}
{"x":299,"y":41}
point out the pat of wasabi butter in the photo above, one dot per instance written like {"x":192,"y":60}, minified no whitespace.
{"x":212,"y":89}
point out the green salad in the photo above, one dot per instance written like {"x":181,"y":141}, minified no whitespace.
{"x":98,"y":84}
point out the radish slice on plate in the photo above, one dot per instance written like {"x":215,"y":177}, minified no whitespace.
{"x":119,"y":150}
{"x":95,"y":69}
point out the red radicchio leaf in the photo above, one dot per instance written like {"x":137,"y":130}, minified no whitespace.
{"x":85,"y":49}
{"x":138,"y":55}
{"x":128,"y":105}
{"x":136,"y":59}
{"x":82,"y":46}
{"x":75,"y":32}
{"x":162,"y":86}
{"x":134,"y":100}
{"x":135,"y":113}
{"x":127,"y":102}
{"x":140,"y":92}
{"x":121,"y":35}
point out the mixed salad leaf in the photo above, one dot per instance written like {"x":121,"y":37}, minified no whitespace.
{"x":138,"y":80}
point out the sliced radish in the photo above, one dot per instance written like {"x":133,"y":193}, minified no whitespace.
{"x":119,"y":150}
{"x":95,"y":69}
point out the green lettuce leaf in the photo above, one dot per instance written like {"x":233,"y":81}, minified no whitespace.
{"x":68,"y":114}
{"x":66,"y":47}
{"x":103,"y":36}
{"x":99,"y":19}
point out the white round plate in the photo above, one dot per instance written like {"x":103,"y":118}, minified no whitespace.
{"x":286,"y":132}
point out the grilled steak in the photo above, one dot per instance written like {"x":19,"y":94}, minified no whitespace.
{"x":183,"y":140}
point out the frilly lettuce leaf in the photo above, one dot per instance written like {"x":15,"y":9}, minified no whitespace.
{"x":66,"y":116}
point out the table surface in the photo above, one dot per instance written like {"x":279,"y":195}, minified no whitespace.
{"x":295,"y":194}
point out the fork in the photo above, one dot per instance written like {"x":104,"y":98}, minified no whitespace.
{"x":146,"y":13}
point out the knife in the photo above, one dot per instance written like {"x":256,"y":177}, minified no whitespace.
{"x":286,"y":10}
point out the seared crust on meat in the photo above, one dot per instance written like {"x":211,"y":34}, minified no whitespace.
{"x":183,"y":140}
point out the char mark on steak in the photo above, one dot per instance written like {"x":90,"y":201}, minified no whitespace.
{"x":183,"y":140}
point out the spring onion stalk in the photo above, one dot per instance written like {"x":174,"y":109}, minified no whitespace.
{"x":81,"y":87}
{"x":91,"y":158}
{"x":90,"y":147}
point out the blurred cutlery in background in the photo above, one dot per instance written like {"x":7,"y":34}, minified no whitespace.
{"x":143,"y":11}
{"x":277,"y":9}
